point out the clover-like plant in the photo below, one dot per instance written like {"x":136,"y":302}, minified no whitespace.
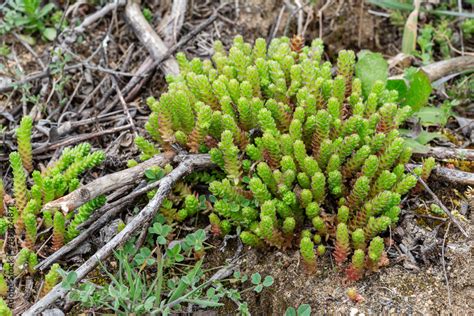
{"x":300,"y":147}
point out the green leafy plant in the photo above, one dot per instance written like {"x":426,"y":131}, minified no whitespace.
{"x":163,"y":279}
{"x":28,"y":16}
{"x":302,"y":310}
{"x":299,"y":146}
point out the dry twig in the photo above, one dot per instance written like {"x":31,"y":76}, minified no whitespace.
{"x":442,"y":153}
{"x":148,"y":37}
{"x":441,"y":204}
{"x":106,"y":184}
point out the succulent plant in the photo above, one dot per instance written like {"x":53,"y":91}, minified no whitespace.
{"x":81,"y":215}
{"x":4,"y":309}
{"x":50,"y":279}
{"x":298,"y":146}
{"x":23,"y":135}
{"x":59,"y":230}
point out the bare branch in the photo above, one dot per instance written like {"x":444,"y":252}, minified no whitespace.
{"x":148,"y":37}
{"x":106,"y":184}
{"x":442,"y":153}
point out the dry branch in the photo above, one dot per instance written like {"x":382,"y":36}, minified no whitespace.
{"x":106,"y":184}
{"x":148,"y":37}
{"x":77,"y":139}
{"x":130,"y":91}
{"x":441,"y":204}
{"x":447,"y":67}
{"x":442,"y":153}
{"x":171,"y":25}
{"x":450,"y":175}
{"x":188,"y":165}
{"x":454,"y":176}
{"x":98,"y":15}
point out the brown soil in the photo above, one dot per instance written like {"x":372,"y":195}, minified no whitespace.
{"x":392,"y":290}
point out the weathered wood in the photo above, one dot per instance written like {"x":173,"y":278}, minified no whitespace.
{"x":148,"y":37}
{"x":106,"y":184}
{"x":442,"y":153}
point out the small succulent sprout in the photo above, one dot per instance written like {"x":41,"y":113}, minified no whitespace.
{"x":266,"y":174}
{"x":308,"y":254}
{"x":232,"y":165}
{"x":305,"y":197}
{"x":59,"y":230}
{"x":405,"y":184}
{"x":51,"y":279}
{"x":370,"y":166}
{"x":3,"y":286}
{"x":321,"y":250}
{"x":29,"y":220}
{"x":20,"y":191}
{"x":82,"y":214}
{"x":269,"y":231}
{"x":81,"y":165}
{"x":288,"y":226}
{"x":317,"y":239}
{"x":225,"y":227}
{"x":354,"y":295}
{"x":343,"y":214}
{"x":376,"y":226}
{"x":376,"y":248}
{"x":356,"y":268}
{"x":181,"y":215}
{"x":428,"y":165}
{"x":3,"y":226}
{"x":250,"y":239}
{"x":23,"y":135}
{"x":21,"y":261}
{"x":215,"y":222}
{"x":335,"y":184}
{"x":306,"y":233}
{"x":47,"y":218}
{"x":191,"y":204}
{"x":32,"y":262}
{"x":342,"y":248}
{"x":358,"y":239}
{"x":259,"y":190}
{"x":312,"y":210}
{"x":147,"y":148}
{"x":320,"y":225}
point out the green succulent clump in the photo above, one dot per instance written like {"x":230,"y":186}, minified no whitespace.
{"x":308,"y":254}
{"x":299,"y":146}
{"x":61,"y":177}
